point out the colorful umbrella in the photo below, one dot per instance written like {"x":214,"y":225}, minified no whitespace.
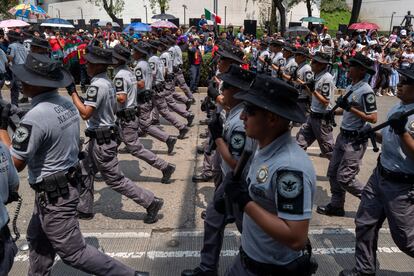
{"x":57,"y":23}
{"x":364,"y":25}
{"x":138,"y":27}
{"x":13,"y":23}
{"x":312,"y":19}
{"x":164,"y":24}
{"x":25,"y":10}
{"x":297,"y":30}
{"x":163,"y":16}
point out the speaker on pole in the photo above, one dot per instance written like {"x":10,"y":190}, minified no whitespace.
{"x":81,"y":24}
{"x":194,"y":21}
{"x":294,"y":24}
{"x":250,"y":27}
{"x":136,"y":20}
{"x":175,"y":21}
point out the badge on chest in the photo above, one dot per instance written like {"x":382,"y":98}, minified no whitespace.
{"x":262,"y":174}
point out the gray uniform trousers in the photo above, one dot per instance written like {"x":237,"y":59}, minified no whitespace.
{"x":179,"y":97}
{"x":319,"y":130}
{"x":214,"y":225}
{"x":238,"y":269}
{"x":9,"y":252}
{"x":15,"y":89}
{"x":382,"y":199}
{"x":129,"y":133}
{"x":54,"y":229}
{"x":161,"y":104}
{"x":180,"y":80}
{"x":103,"y":158}
{"x":145,"y":123}
{"x":172,"y":104}
{"x":343,"y":168}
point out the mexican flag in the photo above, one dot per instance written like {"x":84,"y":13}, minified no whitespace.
{"x":212,"y":16}
{"x":70,"y":52}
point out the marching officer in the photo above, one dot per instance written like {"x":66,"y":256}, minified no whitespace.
{"x":277,"y":201}
{"x":158,"y":84}
{"x":47,"y":141}
{"x":389,"y":192}
{"x":40,"y":46}
{"x":230,"y":142}
{"x":358,"y":109}
{"x":289,"y":71}
{"x":305,"y":76}
{"x":99,"y":111}
{"x":263,"y":55}
{"x":9,"y":183}
{"x":276,"y":46}
{"x":318,"y":125}
{"x":127,"y":111}
{"x":143,"y":74}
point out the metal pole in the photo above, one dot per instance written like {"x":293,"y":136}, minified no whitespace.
{"x":146,"y":14}
{"x":392,"y":17}
{"x":225,"y":17}
{"x":81,"y":12}
{"x":58,"y":12}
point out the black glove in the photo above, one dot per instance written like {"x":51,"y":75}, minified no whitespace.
{"x":219,"y":203}
{"x":397,"y":123}
{"x":71,"y":89}
{"x":212,"y":90}
{"x":4,"y":116}
{"x":343,"y":103}
{"x":236,"y":191}
{"x":216,"y":129}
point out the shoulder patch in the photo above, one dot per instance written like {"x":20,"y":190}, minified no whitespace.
{"x":411,"y":126}
{"x":237,"y":142}
{"x":119,"y":84}
{"x":92,"y":93}
{"x":308,"y":76}
{"x":152,"y":66}
{"x":138,"y":74}
{"x":325,"y":89}
{"x":289,"y":185}
{"x":281,"y":62}
{"x":293,"y":69}
{"x":21,"y":137}
{"x":370,"y":104}
{"x":164,"y":61}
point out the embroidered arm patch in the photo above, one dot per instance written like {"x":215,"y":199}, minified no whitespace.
{"x":289,"y":185}
{"x":92,"y":94}
{"x":119,"y":85}
{"x":21,"y":137}
{"x":370,"y":103}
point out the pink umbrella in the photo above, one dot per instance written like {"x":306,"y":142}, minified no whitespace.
{"x":163,"y":24}
{"x":364,"y":25}
{"x":13,"y":23}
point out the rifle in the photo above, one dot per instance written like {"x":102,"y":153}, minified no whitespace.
{"x":370,"y":134}
{"x":237,"y":174}
{"x":331,"y":113}
{"x":16,"y":114}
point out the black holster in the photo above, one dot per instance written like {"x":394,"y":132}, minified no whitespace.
{"x":103,"y":135}
{"x":169,"y":77}
{"x":4,"y":236}
{"x":127,"y":114}
{"x":144,"y":96}
{"x":159,"y":87}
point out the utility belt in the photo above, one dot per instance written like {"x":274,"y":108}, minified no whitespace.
{"x":57,"y":185}
{"x":321,"y":116}
{"x":169,"y":77}
{"x":159,"y":87}
{"x":128,"y":114}
{"x":144,"y":96}
{"x":103,"y":135}
{"x":350,"y":134}
{"x":177,"y":68}
{"x":395,"y":176}
{"x":303,"y":266}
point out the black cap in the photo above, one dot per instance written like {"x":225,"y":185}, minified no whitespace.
{"x":142,"y":47}
{"x":322,"y":58}
{"x":231,"y":52}
{"x":121,"y":53}
{"x":289,"y":47}
{"x":40,"y":42}
{"x":238,"y":77}
{"x":364,"y":62}
{"x":275,"y":96}
{"x":277,"y":43}
{"x":40,"y":70}
{"x":408,"y":72}
{"x":302,"y":51}
{"x":97,"y":55}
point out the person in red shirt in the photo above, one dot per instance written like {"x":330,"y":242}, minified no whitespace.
{"x":84,"y":78}
{"x":195,"y":59}
{"x":57,"y":43}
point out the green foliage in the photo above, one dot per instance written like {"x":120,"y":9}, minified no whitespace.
{"x":5,"y":6}
{"x":334,"y":18}
{"x":333,"y":5}
{"x":204,"y":71}
{"x":163,"y":4}
{"x":114,"y":7}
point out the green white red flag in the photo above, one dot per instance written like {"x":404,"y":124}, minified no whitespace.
{"x":212,"y":16}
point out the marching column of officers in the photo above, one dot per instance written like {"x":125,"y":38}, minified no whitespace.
{"x":269,"y":193}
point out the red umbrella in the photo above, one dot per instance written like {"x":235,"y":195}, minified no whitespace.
{"x":364,"y":25}
{"x":163,"y":24}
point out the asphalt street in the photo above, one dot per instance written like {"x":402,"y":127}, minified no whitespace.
{"x":173,"y":243}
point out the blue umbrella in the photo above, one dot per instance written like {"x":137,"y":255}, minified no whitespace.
{"x":57,"y":22}
{"x":138,"y":27}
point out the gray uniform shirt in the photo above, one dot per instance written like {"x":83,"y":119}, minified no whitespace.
{"x":172,"y":52}
{"x":101,"y":95}
{"x":324,"y":84}
{"x":178,"y":56}
{"x":235,"y":136}
{"x":393,"y":156}
{"x":3,"y":61}
{"x":305,"y":74}
{"x":278,"y":60}
{"x":126,"y":83}
{"x":157,"y":69}
{"x":143,"y":72}
{"x":18,"y":52}
{"x":281,"y":180}
{"x":167,"y":61}
{"x":47,"y":138}
{"x":260,"y":65}
{"x":291,"y":66}
{"x":9,"y":180}
{"x":363,"y":98}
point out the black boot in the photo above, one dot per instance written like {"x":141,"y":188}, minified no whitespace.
{"x":183,"y":132}
{"x":171,"y":143}
{"x":190,"y":119}
{"x":330,"y":210}
{"x":197,"y":272}
{"x":141,"y":273}
{"x":153,"y":209}
{"x":202,"y":178}
{"x":354,"y":272}
{"x":167,"y":173}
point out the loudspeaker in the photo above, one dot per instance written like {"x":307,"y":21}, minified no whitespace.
{"x":93,"y":22}
{"x":294,"y":24}
{"x":194,"y":22}
{"x":398,"y":28}
{"x":134,"y":20}
{"x":250,"y":27}
{"x":343,"y":28}
{"x":71,"y":21}
{"x":81,"y":24}
{"x":175,"y":21}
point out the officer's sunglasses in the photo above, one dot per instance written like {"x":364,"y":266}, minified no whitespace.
{"x":250,"y":109}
